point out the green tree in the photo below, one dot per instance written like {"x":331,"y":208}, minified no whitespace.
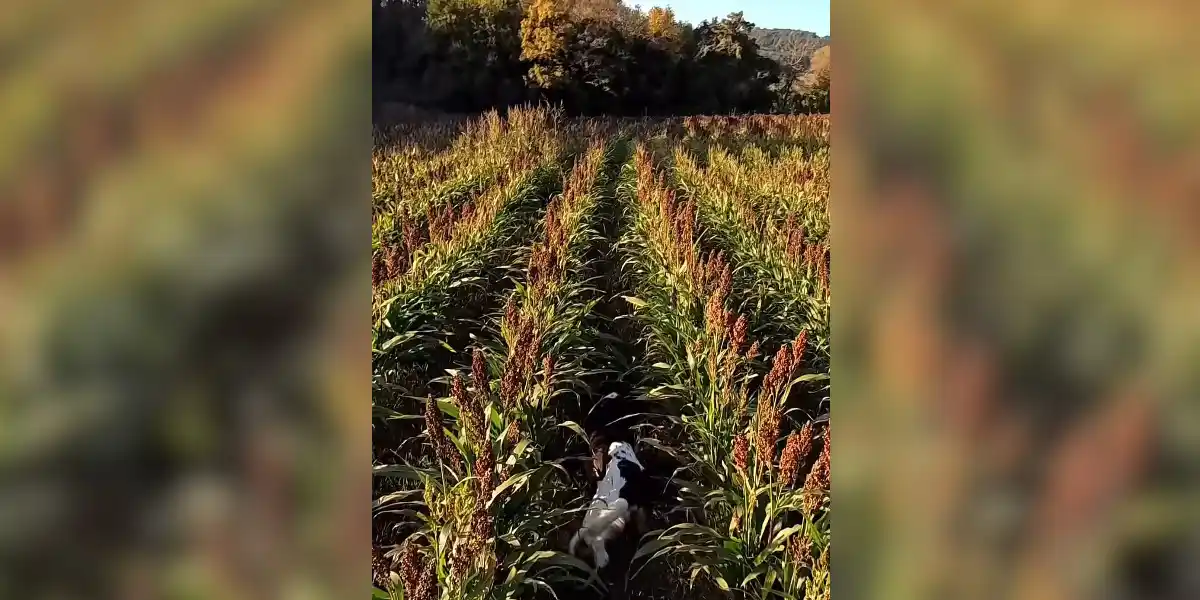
{"x":477,"y":61}
{"x":732,"y":75}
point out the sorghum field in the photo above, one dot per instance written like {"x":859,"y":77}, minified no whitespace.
{"x":543,"y":285}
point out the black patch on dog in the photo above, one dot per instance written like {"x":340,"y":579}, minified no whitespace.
{"x":636,"y":490}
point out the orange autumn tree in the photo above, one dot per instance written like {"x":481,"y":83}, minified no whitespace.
{"x":544,"y":42}
{"x":820,"y":68}
{"x":664,"y":29}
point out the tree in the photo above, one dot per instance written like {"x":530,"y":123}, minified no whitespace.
{"x":664,"y":30}
{"x":733,"y":73}
{"x":820,"y":68}
{"x":815,"y":96}
{"x":593,"y":56}
{"x":544,"y":33}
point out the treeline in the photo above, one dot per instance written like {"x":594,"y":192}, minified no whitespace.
{"x":792,"y":48}
{"x":591,"y":56}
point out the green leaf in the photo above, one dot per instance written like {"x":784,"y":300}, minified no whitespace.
{"x":754,"y":575}
{"x":492,"y":415}
{"x":378,"y":594}
{"x":515,"y":480}
{"x":573,"y":426}
{"x":634,"y":300}
{"x":812,"y":377}
{"x":651,"y":547}
{"x":448,"y":407}
{"x":397,"y":340}
{"x":394,"y":496}
{"x":402,"y":471}
{"x":784,"y":534}
{"x":772,"y":574}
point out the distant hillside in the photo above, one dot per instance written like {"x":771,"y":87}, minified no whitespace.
{"x":790,"y":47}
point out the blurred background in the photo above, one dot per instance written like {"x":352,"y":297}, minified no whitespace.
{"x":1015,"y":207}
{"x":184,"y":294}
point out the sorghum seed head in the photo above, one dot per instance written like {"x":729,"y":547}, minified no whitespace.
{"x":433,"y":425}
{"x":410,"y":567}
{"x":512,"y":434}
{"x":798,"y":348}
{"x":458,"y":390}
{"x":738,"y":337}
{"x":779,"y":376}
{"x":817,"y":483}
{"x":800,"y":549}
{"x":741,"y":451}
{"x":725,"y":284}
{"x":714,"y":316}
{"x":510,"y":311}
{"x":378,"y":269}
{"x":767,"y":434}
{"x":485,"y":465}
{"x":479,"y":373}
{"x":798,"y":446}
{"x":396,"y":262}
{"x":754,"y":352}
{"x":509,"y":385}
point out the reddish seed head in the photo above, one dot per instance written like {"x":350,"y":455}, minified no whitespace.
{"x":741,"y":451}
{"x":512,"y":434}
{"x":737,"y":339}
{"x":817,"y":483}
{"x":458,"y":391}
{"x":825,"y":272}
{"x":509,"y":385}
{"x":798,"y":446}
{"x":437,"y":437}
{"x":714,"y":316}
{"x":410,"y":567}
{"x":510,"y":311}
{"x":767,"y":434}
{"x":779,"y":376}
{"x":725,"y":283}
{"x":548,"y":370}
{"x":479,"y":373}
{"x":485,"y":465}
{"x":800,"y":549}
{"x":397,"y":262}
{"x":812,"y":255}
{"x":378,"y":269}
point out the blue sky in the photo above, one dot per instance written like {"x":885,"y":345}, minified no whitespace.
{"x":810,"y":15}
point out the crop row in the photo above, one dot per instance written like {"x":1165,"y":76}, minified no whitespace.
{"x":754,"y":524}
{"x":492,"y":492}
{"x":779,"y":240}
{"x":495,"y":333}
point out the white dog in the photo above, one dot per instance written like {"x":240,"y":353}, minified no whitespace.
{"x":618,"y":496}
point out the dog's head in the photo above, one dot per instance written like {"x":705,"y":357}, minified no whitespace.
{"x":623,"y":451}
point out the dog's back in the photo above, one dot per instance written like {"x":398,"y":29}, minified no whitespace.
{"x":622,"y":473}
{"x":622,"y":489}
